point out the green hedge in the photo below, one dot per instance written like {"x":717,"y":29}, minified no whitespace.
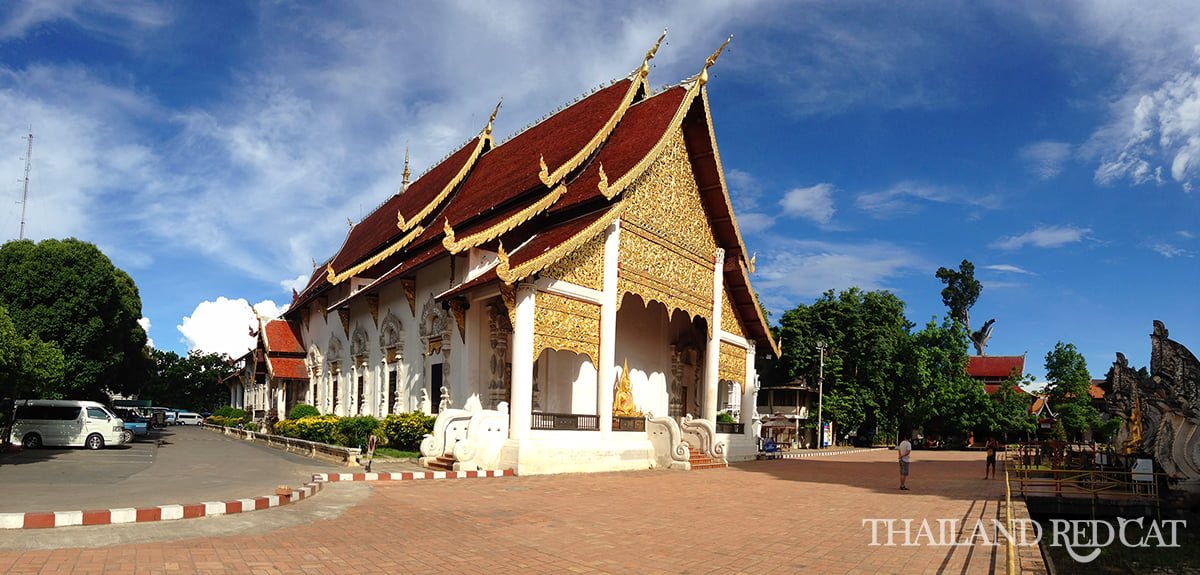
{"x":231,"y":413}
{"x":301,"y":410}
{"x":401,"y":431}
{"x":404,"y":431}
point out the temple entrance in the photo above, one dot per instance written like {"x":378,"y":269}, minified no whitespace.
{"x":665,"y":351}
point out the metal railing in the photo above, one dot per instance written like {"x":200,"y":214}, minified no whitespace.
{"x":1094,"y":484}
{"x":629,"y":423}
{"x":564,"y":421}
{"x":1010,"y":545}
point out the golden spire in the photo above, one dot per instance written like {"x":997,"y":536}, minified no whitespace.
{"x":750,"y":265}
{"x":449,"y":231}
{"x":502,"y":267}
{"x":487,"y":131}
{"x":404,"y":182}
{"x":645,"y":69}
{"x":713,"y":60}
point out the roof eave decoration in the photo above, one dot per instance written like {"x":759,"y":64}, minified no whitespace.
{"x":484,"y":142}
{"x":637,"y":85}
{"x":610,"y":191}
{"x":758,"y":311}
{"x":511,"y":275}
{"x":703,"y":77}
{"x":508,"y":224}
{"x":335,"y":278}
{"x":737,"y":231}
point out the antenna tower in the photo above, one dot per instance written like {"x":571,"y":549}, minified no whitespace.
{"x":25,"y":192}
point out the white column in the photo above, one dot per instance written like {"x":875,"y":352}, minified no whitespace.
{"x":749,"y":401}
{"x":713,"y":352}
{"x":381,"y":387}
{"x":522,"y":363}
{"x":605,"y":372}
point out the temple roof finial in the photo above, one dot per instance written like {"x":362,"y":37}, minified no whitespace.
{"x":713,"y":60}
{"x":645,"y":69}
{"x":488,"y":130}
{"x":404,"y":182}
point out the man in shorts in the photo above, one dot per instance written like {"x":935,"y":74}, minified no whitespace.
{"x":904,"y":450}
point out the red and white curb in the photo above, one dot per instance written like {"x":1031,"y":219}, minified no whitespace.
{"x":410,"y":475}
{"x":147,"y":514}
{"x":823,"y":453}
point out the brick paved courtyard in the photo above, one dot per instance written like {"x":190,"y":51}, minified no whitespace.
{"x":787,"y":516}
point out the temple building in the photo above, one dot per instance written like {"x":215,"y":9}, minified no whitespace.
{"x":576,"y":298}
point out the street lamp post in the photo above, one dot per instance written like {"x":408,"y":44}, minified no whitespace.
{"x":821,"y":396}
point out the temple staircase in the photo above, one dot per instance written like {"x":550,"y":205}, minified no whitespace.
{"x":698,"y":460}
{"x":441,"y":463}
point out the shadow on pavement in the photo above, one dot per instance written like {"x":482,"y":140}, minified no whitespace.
{"x":950,"y":474}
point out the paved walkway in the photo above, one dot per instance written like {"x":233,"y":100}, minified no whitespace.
{"x":763,"y":517}
{"x":190,"y":466}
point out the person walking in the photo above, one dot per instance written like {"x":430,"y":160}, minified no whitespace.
{"x":992,"y":447}
{"x":904,"y":451}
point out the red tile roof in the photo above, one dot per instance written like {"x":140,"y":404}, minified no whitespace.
{"x":512,"y":168}
{"x":617,"y":132}
{"x":380,"y":226}
{"x":1095,"y":390}
{"x":981,"y":366}
{"x":287,"y":368}
{"x":283,"y":337}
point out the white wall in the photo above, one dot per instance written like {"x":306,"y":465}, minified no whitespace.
{"x":642,"y":339}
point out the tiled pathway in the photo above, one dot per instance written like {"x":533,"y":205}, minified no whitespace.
{"x":764,"y":517}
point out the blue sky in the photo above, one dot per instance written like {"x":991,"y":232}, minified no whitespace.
{"x":214,"y":150}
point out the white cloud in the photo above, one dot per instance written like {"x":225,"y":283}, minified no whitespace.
{"x":745,"y":191}
{"x":814,"y":203}
{"x":1046,"y":158}
{"x":262,"y":178}
{"x":112,"y":20}
{"x":145,"y":323}
{"x":224,"y":325}
{"x":1044,"y":237}
{"x":1167,"y":250}
{"x":1185,"y":234}
{"x":907,"y":197}
{"x":795,"y":270}
{"x":1153,"y":129}
{"x":297,"y":283}
{"x":1008,"y":268}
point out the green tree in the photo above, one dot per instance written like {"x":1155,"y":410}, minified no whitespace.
{"x":934,"y":391}
{"x":67,"y":292}
{"x":864,"y":333}
{"x":189,"y":382}
{"x":29,"y":367}
{"x":1009,"y":415}
{"x":1068,"y":385}
{"x":960,"y":294}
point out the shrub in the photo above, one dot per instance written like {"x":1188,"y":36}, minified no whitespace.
{"x":251,"y":427}
{"x":725,"y":417}
{"x":354,"y":430}
{"x":405,"y":430}
{"x":301,"y":410}
{"x":322,"y":429}
{"x":231,"y":413}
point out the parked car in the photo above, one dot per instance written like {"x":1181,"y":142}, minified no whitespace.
{"x":172,"y":417}
{"x":188,"y":418}
{"x":135,"y":425}
{"x":65,"y":422}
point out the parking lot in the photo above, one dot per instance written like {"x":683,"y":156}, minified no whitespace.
{"x":181,"y":464}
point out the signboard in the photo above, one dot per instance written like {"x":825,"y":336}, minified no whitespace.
{"x":826,"y":433}
{"x":371,"y":441}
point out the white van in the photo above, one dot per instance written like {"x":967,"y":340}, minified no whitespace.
{"x":65,"y":422}
{"x":188,"y":418}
